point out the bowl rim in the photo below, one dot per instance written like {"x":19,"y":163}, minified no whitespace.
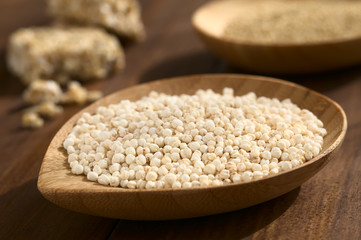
{"x":248,"y":43}
{"x":119,"y":190}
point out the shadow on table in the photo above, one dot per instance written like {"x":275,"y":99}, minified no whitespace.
{"x":194,"y":63}
{"x":233,"y":225}
{"x":25,"y":214}
{"x":205,"y":62}
{"x":9,"y":84}
{"x":320,"y":82}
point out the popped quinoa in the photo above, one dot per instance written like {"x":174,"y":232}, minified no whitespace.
{"x":187,"y":141}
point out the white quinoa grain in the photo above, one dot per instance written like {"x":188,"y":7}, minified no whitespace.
{"x":77,"y":169}
{"x":104,"y":179}
{"x":92,"y":176}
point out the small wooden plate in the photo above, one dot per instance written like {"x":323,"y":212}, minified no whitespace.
{"x":211,"y":19}
{"x":57,"y":184}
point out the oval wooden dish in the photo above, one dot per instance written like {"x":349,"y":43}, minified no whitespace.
{"x":57,"y":184}
{"x":211,"y":19}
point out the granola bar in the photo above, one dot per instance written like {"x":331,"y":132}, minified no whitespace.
{"x":63,"y":53}
{"x":119,"y":16}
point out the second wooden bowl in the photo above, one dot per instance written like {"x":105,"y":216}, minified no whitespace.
{"x":57,"y":184}
{"x":211,"y":19}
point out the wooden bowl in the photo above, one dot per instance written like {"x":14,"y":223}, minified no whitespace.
{"x":57,"y":184}
{"x":211,"y":19}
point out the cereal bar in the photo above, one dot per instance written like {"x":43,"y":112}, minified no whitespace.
{"x":63,"y":53}
{"x":119,"y":16}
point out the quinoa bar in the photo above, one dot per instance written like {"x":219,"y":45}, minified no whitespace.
{"x":119,"y":16}
{"x":63,"y":53}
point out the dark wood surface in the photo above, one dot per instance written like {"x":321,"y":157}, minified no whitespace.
{"x":328,"y":206}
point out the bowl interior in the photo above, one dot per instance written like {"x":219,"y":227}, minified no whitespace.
{"x":214,"y":16}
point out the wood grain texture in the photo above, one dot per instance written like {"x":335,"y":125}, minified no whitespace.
{"x":212,"y":18}
{"x":326,"y":207}
{"x":76,"y":193}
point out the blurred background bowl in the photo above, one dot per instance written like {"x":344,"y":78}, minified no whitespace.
{"x":211,"y":19}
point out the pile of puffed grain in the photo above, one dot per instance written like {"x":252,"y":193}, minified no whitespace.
{"x":186,"y":141}
{"x":52,"y":60}
{"x":295,"y":21}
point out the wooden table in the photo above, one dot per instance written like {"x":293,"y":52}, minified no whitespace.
{"x":328,"y":206}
